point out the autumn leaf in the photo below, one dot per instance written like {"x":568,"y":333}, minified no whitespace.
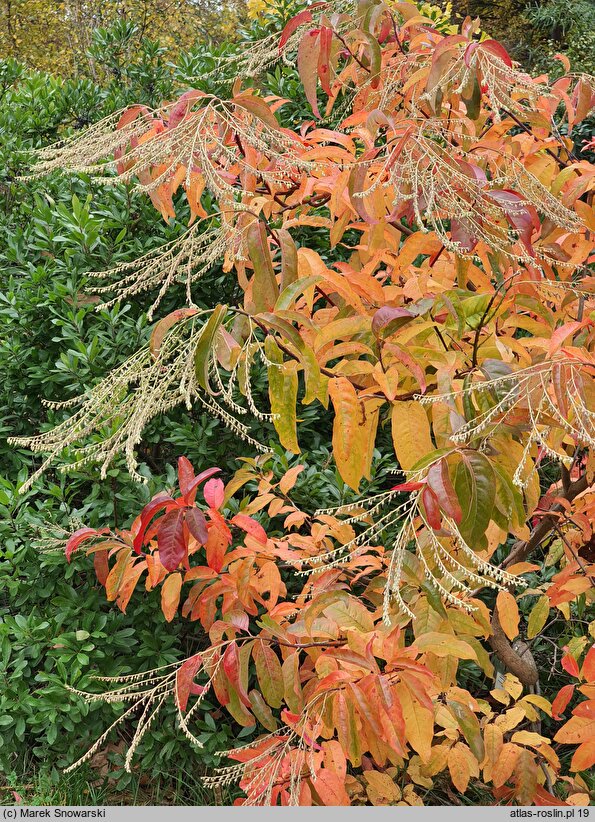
{"x":508,"y":614}
{"x":170,"y":595}
{"x":170,"y":540}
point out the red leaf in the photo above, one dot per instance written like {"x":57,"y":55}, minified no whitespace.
{"x":408,"y":486}
{"x":214,"y":494}
{"x":295,"y":22}
{"x":498,"y":49}
{"x":461,"y":233}
{"x":184,"y":680}
{"x":307,"y":63}
{"x":80,"y":536}
{"x":561,"y":701}
{"x":101,"y":565}
{"x":182,"y":106}
{"x":190,"y":494}
{"x":521,"y":216}
{"x":439,"y":482}
{"x":158,"y":502}
{"x":231,"y":666}
{"x":326,"y":36}
{"x":197,"y":525}
{"x":562,"y":333}
{"x":569,"y":663}
{"x":389,"y":316}
{"x":185,"y":474}
{"x":170,"y":540}
{"x":430,"y":501}
{"x":250,"y":526}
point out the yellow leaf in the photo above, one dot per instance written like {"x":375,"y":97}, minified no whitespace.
{"x":411,"y":433}
{"x":513,"y":685}
{"x":509,"y":720}
{"x":493,"y":741}
{"x":580,"y":799}
{"x":538,"y":616}
{"x":529,"y":738}
{"x":283,"y":386}
{"x":444,"y":645}
{"x":501,"y":696}
{"x":508,"y":614}
{"x":458,"y":766}
{"x":350,"y":437}
{"x":540,"y":701}
{"x":419,"y":722}
{"x":578,"y":729}
{"x":381,"y":789}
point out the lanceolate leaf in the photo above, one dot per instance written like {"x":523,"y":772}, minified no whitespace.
{"x":476,"y":484}
{"x":79,"y":537}
{"x":349,"y":446}
{"x":170,"y":595}
{"x":411,"y":433}
{"x":307,"y":64}
{"x":185,"y":679}
{"x":158,"y":503}
{"x":197,"y":525}
{"x":204,"y":349}
{"x":251,"y":526}
{"x":508,"y":614}
{"x":170,"y":540}
{"x":265,"y":289}
{"x":283,"y":386}
{"x":268,"y":671}
{"x":469,"y":724}
{"x":439,"y":481}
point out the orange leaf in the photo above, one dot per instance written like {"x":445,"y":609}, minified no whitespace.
{"x":170,"y":595}
{"x":561,"y":701}
{"x":505,"y":764}
{"x":578,"y":729}
{"x":588,"y":669}
{"x":570,"y":664}
{"x":584,"y":756}
{"x":330,"y":788}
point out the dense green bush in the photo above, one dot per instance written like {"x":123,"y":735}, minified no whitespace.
{"x":54,"y":345}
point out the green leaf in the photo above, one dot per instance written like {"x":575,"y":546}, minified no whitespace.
{"x":289,"y":258}
{"x":293,"y":290}
{"x":202,"y":356}
{"x":538,"y":616}
{"x":305,"y":355}
{"x":475,"y":485}
{"x":469,"y":725}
